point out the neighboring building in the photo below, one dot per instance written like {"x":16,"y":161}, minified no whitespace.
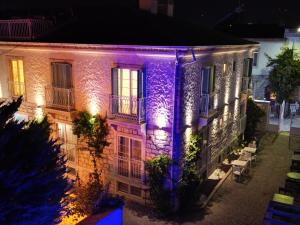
{"x":272,"y":38}
{"x":168,"y":81}
{"x":163,"y":7}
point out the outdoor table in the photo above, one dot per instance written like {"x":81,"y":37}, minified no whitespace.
{"x":240,"y":163}
{"x":296,"y":157}
{"x":249,"y":149}
{"x":284,"y":199}
{"x":293,"y":175}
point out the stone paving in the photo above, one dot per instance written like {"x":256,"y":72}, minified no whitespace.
{"x":234,"y":203}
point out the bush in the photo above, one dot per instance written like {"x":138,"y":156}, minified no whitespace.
{"x":254,"y":114}
{"x":189,"y":187}
{"x":159,"y":183}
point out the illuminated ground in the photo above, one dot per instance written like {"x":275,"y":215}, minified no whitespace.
{"x":235,"y":203}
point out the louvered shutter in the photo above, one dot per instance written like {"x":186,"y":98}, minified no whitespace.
{"x":114,"y":88}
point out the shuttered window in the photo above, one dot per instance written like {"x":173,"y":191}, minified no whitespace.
{"x":127,"y":89}
{"x":17,"y":77}
{"x":208,"y":80}
{"x":61,"y":75}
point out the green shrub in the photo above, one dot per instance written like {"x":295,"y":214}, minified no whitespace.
{"x":159,"y":180}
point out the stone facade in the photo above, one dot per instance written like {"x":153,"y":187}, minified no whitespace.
{"x":172,"y":99}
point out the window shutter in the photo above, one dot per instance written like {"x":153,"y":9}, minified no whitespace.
{"x":212,"y":78}
{"x":61,"y":75}
{"x":114,"y":88}
{"x":250,"y":62}
{"x":141,"y":84}
{"x":205,"y":80}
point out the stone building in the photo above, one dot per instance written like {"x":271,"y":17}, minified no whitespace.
{"x":156,"y":86}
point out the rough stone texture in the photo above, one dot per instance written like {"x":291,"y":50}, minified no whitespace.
{"x":91,"y":73}
{"x":234,"y":203}
{"x":226,"y":126}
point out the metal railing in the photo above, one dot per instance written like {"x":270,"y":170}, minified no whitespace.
{"x":60,"y":98}
{"x":130,"y":108}
{"x":129,"y":168}
{"x":17,"y":88}
{"x":206,"y":104}
{"x":24,"y":29}
{"x":245,"y":84}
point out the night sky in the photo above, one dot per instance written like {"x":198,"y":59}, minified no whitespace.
{"x":197,"y":11}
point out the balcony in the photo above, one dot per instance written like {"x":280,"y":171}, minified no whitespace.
{"x":127,"y":108}
{"x":60,"y":98}
{"x":24,"y":29}
{"x":207,"y":105}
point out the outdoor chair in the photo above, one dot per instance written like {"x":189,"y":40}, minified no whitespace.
{"x":238,"y":171}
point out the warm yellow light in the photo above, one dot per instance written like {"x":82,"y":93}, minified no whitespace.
{"x":298,"y":29}
{"x":39,"y":114}
{"x":94,"y":110}
{"x":39,"y":100}
{"x":224,"y":68}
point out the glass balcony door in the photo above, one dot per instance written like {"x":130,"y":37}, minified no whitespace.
{"x":127,"y":91}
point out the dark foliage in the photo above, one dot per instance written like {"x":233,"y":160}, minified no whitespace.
{"x":285,"y":73}
{"x":32,"y":168}
{"x":94,"y":129}
{"x":189,"y":187}
{"x":159,"y":183}
{"x":254,"y":114}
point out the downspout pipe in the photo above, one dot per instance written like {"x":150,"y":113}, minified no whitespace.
{"x":176,"y":132}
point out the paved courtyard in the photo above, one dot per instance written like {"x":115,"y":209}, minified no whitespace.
{"x":234,"y":203}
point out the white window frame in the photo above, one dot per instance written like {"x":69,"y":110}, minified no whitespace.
{"x":129,"y":157}
{"x":72,"y":164}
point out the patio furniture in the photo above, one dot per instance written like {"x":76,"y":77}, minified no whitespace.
{"x":238,"y":171}
{"x":247,"y":156}
{"x":292,"y":185}
{"x":293,"y":175}
{"x":250,"y":149}
{"x":240,"y":163}
{"x":283,"y":214}
{"x":295,"y":168}
{"x":284,"y":199}
{"x":296,"y":157}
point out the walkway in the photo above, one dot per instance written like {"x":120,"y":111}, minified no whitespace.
{"x":235,"y":203}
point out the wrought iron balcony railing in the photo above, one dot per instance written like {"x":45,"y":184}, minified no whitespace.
{"x":129,"y":168}
{"x":60,"y":98}
{"x":24,"y":29}
{"x":130,"y":108}
{"x":206,"y":104}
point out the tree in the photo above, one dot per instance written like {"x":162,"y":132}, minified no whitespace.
{"x":285,"y":73}
{"x":32,"y":171}
{"x":254,"y":114}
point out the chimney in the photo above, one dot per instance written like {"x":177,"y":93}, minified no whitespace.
{"x":164,"y":7}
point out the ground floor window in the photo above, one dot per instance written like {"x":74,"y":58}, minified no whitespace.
{"x":68,"y":141}
{"x":129,"y":189}
{"x":129,"y":157}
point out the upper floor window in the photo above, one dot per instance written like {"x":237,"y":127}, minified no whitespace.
{"x":208,"y":79}
{"x":255,"y":58}
{"x":60,"y":93}
{"x":127,"y":91}
{"x":17,"y":80}
{"x":61,"y":75}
